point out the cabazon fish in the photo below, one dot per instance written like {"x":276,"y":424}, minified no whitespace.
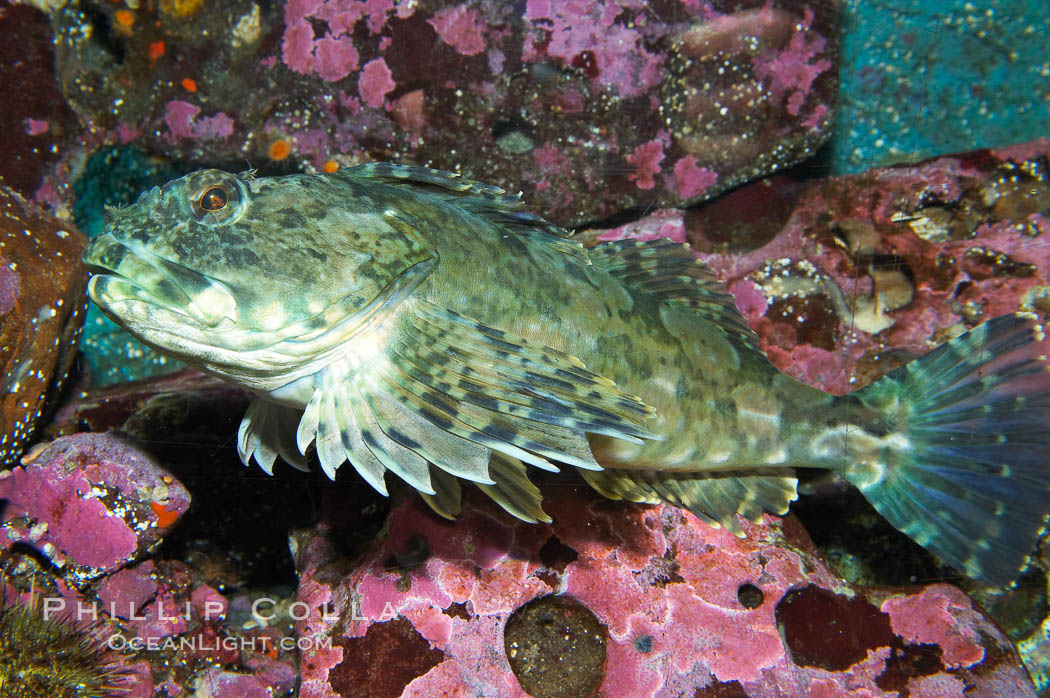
{"x":406,"y":319}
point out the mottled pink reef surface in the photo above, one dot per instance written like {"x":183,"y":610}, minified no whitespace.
{"x":682,"y":608}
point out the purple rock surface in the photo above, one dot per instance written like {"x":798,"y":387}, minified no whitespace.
{"x":589,"y":108}
{"x":681,"y":608}
{"x":92,"y":503}
{"x":124,"y":593}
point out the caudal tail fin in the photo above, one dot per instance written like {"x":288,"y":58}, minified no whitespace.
{"x":969,"y":474}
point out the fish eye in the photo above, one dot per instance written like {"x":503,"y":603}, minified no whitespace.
{"x":214,"y":199}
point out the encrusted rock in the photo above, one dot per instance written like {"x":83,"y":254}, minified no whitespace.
{"x":589,"y":108}
{"x":91,"y":503}
{"x":41,"y":310}
{"x":643,"y":601}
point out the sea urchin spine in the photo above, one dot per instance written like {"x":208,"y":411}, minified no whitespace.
{"x":49,"y":656}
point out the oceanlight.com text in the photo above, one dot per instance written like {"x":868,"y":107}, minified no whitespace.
{"x":198,"y":643}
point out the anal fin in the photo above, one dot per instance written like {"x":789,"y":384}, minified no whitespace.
{"x":716,"y":497}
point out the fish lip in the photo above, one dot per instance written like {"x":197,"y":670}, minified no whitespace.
{"x":94,"y":260}
{"x":175,"y":287}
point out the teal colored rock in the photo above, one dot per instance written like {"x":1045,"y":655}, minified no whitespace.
{"x":921,"y":79}
{"x":115,"y":177}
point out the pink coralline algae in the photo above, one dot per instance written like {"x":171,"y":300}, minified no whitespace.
{"x":375,"y":82}
{"x":681,"y":606}
{"x":793,"y":70}
{"x":182,"y":121}
{"x":124,"y":593}
{"x":220,"y":684}
{"x":461,"y":28}
{"x":35,"y":127}
{"x":587,"y":36}
{"x":646,"y":160}
{"x":162,"y":618}
{"x":333,"y":55}
{"x":334,"y":59}
{"x":91,"y":502}
{"x":692,"y":180}
{"x":933,"y":617}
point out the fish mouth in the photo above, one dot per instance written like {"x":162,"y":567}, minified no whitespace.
{"x":192,"y":317}
{"x":131,"y":282}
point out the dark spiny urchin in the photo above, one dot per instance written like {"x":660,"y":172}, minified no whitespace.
{"x":51,"y":657}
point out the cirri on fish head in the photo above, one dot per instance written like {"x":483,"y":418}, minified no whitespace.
{"x":409,"y":321}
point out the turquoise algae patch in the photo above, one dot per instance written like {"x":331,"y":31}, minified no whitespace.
{"x":925,"y":79}
{"x":115,"y":177}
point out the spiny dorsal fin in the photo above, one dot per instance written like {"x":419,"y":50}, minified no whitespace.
{"x":716,"y":497}
{"x":670,"y":271}
{"x":485,"y":200}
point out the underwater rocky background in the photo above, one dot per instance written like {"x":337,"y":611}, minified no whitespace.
{"x":786,"y":141}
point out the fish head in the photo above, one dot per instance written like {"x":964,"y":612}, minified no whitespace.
{"x":243,"y":275}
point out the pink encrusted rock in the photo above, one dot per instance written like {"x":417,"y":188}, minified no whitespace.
{"x":182,"y":122}
{"x":208,"y":603}
{"x":125,"y":592}
{"x":280,"y":676}
{"x":623,"y":90}
{"x":933,"y":617}
{"x":182,"y":630}
{"x":684,"y":608}
{"x":140,"y":681}
{"x":221,"y":684}
{"x":845,"y":277}
{"x":92,"y":503}
{"x":376,"y":81}
{"x":461,"y":27}
{"x":646,"y":159}
{"x":691,"y":179}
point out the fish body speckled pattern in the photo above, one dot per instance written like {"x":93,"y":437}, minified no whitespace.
{"x":408,"y":320}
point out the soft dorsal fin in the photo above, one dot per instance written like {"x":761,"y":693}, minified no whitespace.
{"x":670,"y":271}
{"x":485,"y":200}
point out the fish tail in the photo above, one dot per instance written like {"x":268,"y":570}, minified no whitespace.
{"x":961,"y":456}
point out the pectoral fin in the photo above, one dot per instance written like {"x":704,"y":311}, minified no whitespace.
{"x":502,"y":392}
{"x":514,"y":490}
{"x":268,"y":430}
{"x":454,"y":398}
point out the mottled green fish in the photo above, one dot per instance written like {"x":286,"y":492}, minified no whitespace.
{"x":408,"y":320}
